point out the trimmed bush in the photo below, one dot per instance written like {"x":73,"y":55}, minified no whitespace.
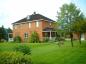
{"x":34,"y":38}
{"x":17,"y":39}
{"x":23,"y":48}
{"x":14,"y":58}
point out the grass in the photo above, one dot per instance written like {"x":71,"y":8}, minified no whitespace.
{"x":51,"y":53}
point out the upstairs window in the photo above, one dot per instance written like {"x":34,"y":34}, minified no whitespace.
{"x":29,"y":25}
{"x":37,"y":23}
{"x":15,"y":26}
{"x":25,"y":35}
{"x":50,"y":23}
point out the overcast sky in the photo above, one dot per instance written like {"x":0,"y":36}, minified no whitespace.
{"x":14,"y":10}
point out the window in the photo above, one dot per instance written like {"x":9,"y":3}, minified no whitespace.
{"x":15,"y":27}
{"x":28,"y":17}
{"x":50,"y":23}
{"x":37,"y":23}
{"x":29,"y":25}
{"x":25,"y":35}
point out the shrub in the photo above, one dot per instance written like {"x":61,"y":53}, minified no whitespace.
{"x":14,"y":58}
{"x":17,"y":39}
{"x":0,"y":48}
{"x":26,"y":40}
{"x":24,"y":49}
{"x":34,"y":38}
{"x":46,"y":40}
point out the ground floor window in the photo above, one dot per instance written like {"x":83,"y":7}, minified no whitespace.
{"x":25,"y":35}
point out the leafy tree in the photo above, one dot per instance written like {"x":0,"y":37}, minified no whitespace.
{"x":17,"y":39}
{"x":79,"y":26}
{"x":67,"y":16}
{"x":83,"y":27}
{"x":1,"y":33}
{"x":34,"y":38}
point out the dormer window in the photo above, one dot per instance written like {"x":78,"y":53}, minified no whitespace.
{"x":28,"y":17}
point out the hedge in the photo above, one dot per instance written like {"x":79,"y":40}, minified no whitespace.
{"x":23,"y":49}
{"x":14,"y":58}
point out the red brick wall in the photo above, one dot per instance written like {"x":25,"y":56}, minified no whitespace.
{"x":47,"y":24}
{"x":76,"y":36}
{"x":22,"y":28}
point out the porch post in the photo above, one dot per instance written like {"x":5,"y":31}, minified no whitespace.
{"x":50,"y":35}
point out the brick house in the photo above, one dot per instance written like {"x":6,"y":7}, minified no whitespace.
{"x":44,"y":26}
{"x":76,"y":36}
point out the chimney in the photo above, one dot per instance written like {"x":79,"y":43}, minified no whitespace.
{"x":34,"y":13}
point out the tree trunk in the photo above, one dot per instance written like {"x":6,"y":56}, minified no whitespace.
{"x":71,"y":36}
{"x":80,"y":38}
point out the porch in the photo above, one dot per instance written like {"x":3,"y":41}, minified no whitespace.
{"x":49,"y":33}
{"x":10,"y":37}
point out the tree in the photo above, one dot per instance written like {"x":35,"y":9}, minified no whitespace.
{"x":34,"y":38}
{"x":8,"y":32}
{"x":17,"y":39}
{"x":79,"y":26}
{"x":67,"y":16}
{"x":2,"y":33}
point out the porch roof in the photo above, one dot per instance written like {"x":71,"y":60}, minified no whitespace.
{"x":47,"y":29}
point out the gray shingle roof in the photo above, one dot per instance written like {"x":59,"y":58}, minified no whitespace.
{"x":34,"y":17}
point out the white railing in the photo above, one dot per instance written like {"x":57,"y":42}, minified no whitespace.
{"x":10,"y":39}
{"x":50,"y":38}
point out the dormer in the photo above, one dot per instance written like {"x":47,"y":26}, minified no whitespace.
{"x":28,"y":17}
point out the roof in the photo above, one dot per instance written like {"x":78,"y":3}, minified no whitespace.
{"x":34,"y":17}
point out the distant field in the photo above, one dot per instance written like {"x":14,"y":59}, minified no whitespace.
{"x":51,"y":53}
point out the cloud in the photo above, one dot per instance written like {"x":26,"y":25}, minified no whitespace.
{"x":13,"y":10}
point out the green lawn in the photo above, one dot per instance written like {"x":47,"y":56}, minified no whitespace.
{"x":51,"y":53}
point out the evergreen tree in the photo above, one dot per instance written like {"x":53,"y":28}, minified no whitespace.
{"x":2,"y":33}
